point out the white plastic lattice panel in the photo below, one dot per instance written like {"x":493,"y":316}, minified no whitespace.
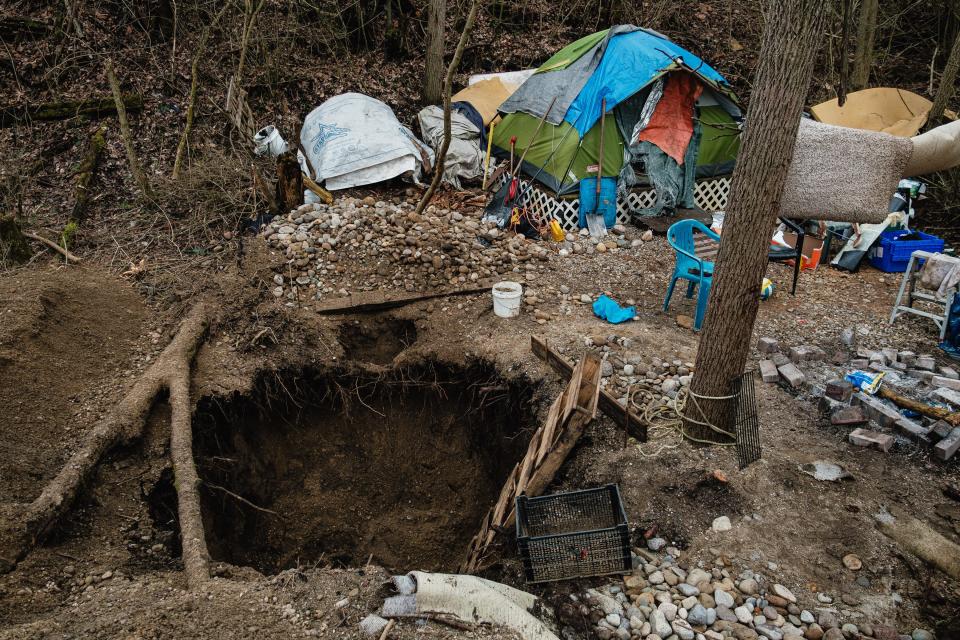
{"x":709,"y":194}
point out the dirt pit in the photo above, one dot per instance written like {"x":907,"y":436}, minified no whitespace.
{"x":337,"y":467}
{"x":376,"y":341}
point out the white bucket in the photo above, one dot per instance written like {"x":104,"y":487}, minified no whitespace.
{"x":269,"y":141}
{"x":506,"y":299}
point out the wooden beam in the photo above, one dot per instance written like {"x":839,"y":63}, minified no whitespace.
{"x":634,"y":425}
{"x":371,"y":301}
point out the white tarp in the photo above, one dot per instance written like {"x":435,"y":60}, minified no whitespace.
{"x":464,"y":156}
{"x":353,"y":140}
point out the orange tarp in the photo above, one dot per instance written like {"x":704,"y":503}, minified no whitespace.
{"x":671,"y":125}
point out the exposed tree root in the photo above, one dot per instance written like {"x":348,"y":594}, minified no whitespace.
{"x":23,"y":528}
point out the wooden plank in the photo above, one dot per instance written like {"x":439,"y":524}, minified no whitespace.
{"x":627,"y":419}
{"x":370,"y":301}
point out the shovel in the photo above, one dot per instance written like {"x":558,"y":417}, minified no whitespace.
{"x":595,"y":223}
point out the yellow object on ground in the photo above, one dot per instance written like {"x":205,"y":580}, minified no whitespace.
{"x":486,"y":96}
{"x":894,"y":111}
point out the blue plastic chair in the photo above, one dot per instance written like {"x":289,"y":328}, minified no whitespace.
{"x":698,"y":273}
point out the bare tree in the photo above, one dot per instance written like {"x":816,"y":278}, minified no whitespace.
{"x":433,"y":72}
{"x":447,"y":91}
{"x":866,"y":35}
{"x":793,"y":34}
{"x":948,"y":84}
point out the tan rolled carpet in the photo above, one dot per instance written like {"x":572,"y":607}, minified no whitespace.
{"x":935,"y":150}
{"x":842,"y":174}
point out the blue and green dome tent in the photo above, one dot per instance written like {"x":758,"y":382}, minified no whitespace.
{"x":619,"y":64}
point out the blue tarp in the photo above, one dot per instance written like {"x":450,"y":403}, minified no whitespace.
{"x":629,"y":63}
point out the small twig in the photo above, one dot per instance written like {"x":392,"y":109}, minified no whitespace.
{"x":240,"y":498}
{"x":68,"y":556}
{"x":52,"y":245}
{"x":387,"y":629}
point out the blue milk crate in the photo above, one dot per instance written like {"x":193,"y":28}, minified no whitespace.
{"x":892,"y":255}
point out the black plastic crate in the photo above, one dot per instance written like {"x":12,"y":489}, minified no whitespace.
{"x":573,"y":535}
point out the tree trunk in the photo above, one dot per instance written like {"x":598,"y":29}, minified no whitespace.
{"x":866,"y":34}
{"x":793,"y":34}
{"x":13,"y":246}
{"x":135,"y":168}
{"x":289,"y":182}
{"x":88,"y":167}
{"x":948,"y":84}
{"x":447,"y":91}
{"x":433,"y":71}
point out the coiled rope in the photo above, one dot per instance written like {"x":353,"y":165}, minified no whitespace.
{"x":666,"y":421}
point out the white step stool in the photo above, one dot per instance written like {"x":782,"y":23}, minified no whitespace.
{"x":908,"y":286}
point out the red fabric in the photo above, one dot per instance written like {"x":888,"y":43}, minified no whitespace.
{"x":671,"y":125}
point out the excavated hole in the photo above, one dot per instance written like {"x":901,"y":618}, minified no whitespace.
{"x":400,"y":467}
{"x":376,"y":340}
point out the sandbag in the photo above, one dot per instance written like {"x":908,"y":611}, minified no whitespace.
{"x":464,"y":158}
{"x":353,"y":140}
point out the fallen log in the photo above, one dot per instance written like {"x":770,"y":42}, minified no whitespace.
{"x":634,"y":425}
{"x":52,"y":245}
{"x":939,"y":413}
{"x":30,"y":524}
{"x":549,"y":447}
{"x":135,"y":167}
{"x":18,"y":27}
{"x":922,"y":541}
{"x":91,"y":108}
{"x":88,"y":167}
{"x":369,"y":301}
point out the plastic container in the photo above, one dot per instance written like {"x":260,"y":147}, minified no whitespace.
{"x":607,"y":206}
{"x":892,"y":255}
{"x":506,"y":299}
{"x":577,"y":534}
{"x":268,"y":141}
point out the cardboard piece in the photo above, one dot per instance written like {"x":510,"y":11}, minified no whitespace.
{"x":894,"y":111}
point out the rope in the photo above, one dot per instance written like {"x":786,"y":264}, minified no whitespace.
{"x":666,"y":421}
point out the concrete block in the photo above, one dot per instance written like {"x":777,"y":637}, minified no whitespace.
{"x":926,"y":376}
{"x":876,"y":356}
{"x":940,"y":430}
{"x":877,"y":410}
{"x":848,"y":415}
{"x":945,"y":449}
{"x":926,"y":363}
{"x":839,"y":389}
{"x":899,"y":366}
{"x":768,"y":371}
{"x":890,"y":355}
{"x":859,"y":363}
{"x":949,"y":383}
{"x":907,"y":357}
{"x":779,"y":359}
{"x":873,"y":439}
{"x":878,"y":366}
{"x":768,"y":345}
{"x":793,"y":376}
{"x":829,"y":405}
{"x":949,"y":396}
{"x":913,"y":430}
{"x":948,"y":372}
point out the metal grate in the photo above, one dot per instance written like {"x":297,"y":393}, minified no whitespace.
{"x":745,"y":421}
{"x":709,"y":194}
{"x":573,"y":535}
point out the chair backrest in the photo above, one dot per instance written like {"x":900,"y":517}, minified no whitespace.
{"x":680,"y":235}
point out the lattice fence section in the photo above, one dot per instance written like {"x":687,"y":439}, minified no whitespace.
{"x":709,"y":194}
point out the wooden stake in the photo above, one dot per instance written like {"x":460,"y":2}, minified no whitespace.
{"x":52,"y":245}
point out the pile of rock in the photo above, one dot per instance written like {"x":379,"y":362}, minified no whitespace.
{"x":876,"y":422}
{"x":363,"y":245}
{"x":623,"y":372}
{"x":662,"y":600}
